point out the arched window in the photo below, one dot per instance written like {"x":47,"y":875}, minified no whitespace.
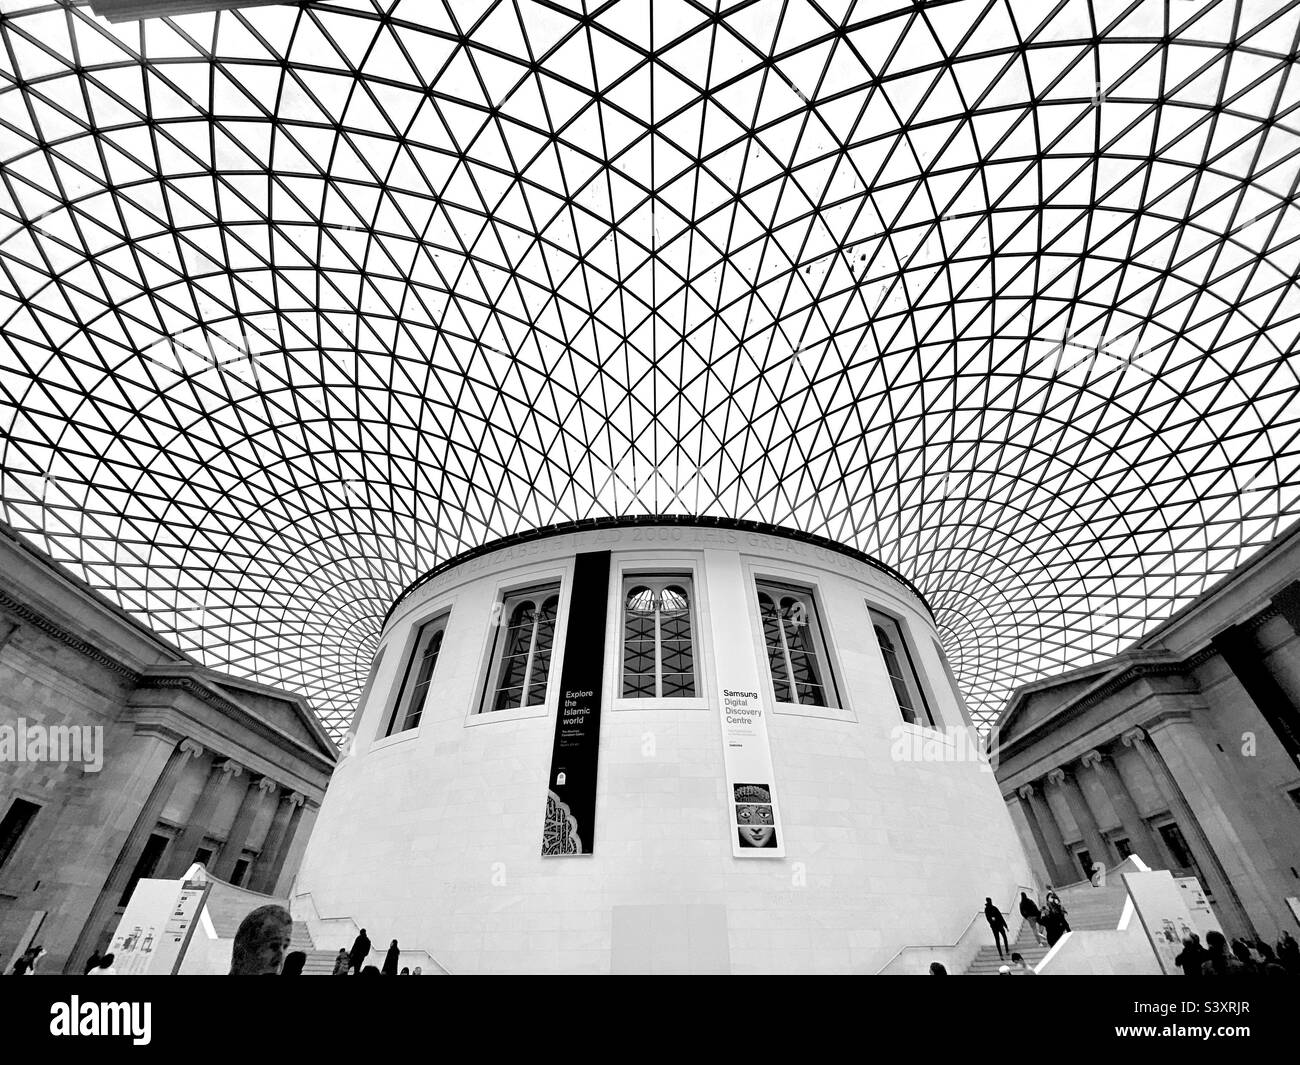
{"x":796,"y":647}
{"x":419,"y":673}
{"x":658,"y":651}
{"x":526,"y":635}
{"x":901,"y":670}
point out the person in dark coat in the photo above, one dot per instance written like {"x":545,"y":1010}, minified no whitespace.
{"x":1219,"y":961}
{"x":1288,"y":953}
{"x":1054,"y":923}
{"x":390,"y":960}
{"x":999,"y":925}
{"x":293,"y":963}
{"x":1192,"y":956}
{"x":1030,"y":912}
{"x":359,"y":952}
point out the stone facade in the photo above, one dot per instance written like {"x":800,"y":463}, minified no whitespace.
{"x":194,"y":764}
{"x":1184,"y":749}
{"x":432,"y":835}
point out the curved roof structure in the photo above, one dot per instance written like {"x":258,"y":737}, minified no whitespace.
{"x":298,"y":301}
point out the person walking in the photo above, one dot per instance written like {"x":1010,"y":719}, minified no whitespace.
{"x":1054,"y":923}
{"x":390,"y":960}
{"x":998,"y":924}
{"x":342,"y":963}
{"x":26,"y":965}
{"x":359,"y":952}
{"x":1032,"y":914}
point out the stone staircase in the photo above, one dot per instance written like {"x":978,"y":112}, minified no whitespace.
{"x":1094,"y":909}
{"x":1088,"y":909}
{"x":987,"y":962}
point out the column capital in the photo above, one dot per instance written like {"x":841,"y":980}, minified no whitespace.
{"x":295,"y":798}
{"x":1056,"y":776}
{"x":265,"y":784}
{"x":232,"y":769}
{"x":1134,"y":737}
{"x":1091,"y":759}
{"x":190,"y":748}
{"x":1026,"y":792}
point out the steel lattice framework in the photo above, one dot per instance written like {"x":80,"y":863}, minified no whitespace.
{"x":298,"y":301}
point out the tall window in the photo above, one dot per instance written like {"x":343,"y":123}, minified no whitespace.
{"x":16,"y":819}
{"x":522,"y":652}
{"x":658,"y":655}
{"x":901,"y":670}
{"x":146,"y":865}
{"x":796,"y":648}
{"x":419,"y":672}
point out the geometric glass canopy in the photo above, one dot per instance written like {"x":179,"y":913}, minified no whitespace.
{"x":297,"y":302}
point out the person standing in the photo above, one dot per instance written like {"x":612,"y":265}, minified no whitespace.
{"x":1192,"y":956}
{"x":390,"y":960}
{"x":1030,"y":912}
{"x":359,"y":952}
{"x":342,"y":963}
{"x":1288,"y":953}
{"x":998,"y":924}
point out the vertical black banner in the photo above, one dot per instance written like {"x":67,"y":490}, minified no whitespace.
{"x":571,"y":788}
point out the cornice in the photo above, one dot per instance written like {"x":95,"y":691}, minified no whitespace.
{"x":42,"y":622}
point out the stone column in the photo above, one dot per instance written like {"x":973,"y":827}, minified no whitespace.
{"x":1092,"y":837}
{"x":278,"y":841}
{"x":1239,"y":648}
{"x":1144,"y":846}
{"x":129,"y":854}
{"x":238,"y":835}
{"x":1224,"y":818}
{"x":219,"y":778}
{"x":1047,"y":834}
{"x":1235,"y":920}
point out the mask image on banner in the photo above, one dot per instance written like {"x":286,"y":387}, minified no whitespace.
{"x":755,"y":820}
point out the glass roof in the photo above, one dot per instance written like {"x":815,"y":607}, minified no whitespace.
{"x":298,"y":301}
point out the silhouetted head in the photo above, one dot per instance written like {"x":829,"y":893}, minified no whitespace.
{"x":937,"y":969}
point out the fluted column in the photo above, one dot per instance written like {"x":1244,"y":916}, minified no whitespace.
{"x":1117,"y":791}
{"x":238,"y":835}
{"x":278,"y":840}
{"x":219,"y":777}
{"x":1047,"y":834}
{"x":1235,"y":919}
{"x":1078,"y":803}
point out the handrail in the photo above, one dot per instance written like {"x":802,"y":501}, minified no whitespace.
{"x":356,"y":927}
{"x":1011,"y":908}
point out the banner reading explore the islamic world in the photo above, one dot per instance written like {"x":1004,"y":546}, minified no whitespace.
{"x":571,"y":789}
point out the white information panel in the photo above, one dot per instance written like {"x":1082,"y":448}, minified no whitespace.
{"x":1161,"y":905}
{"x":156,"y":927}
{"x":753,"y":811}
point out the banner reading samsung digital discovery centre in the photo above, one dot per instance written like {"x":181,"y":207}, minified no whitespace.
{"x":751,"y":792}
{"x":571,"y":789}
